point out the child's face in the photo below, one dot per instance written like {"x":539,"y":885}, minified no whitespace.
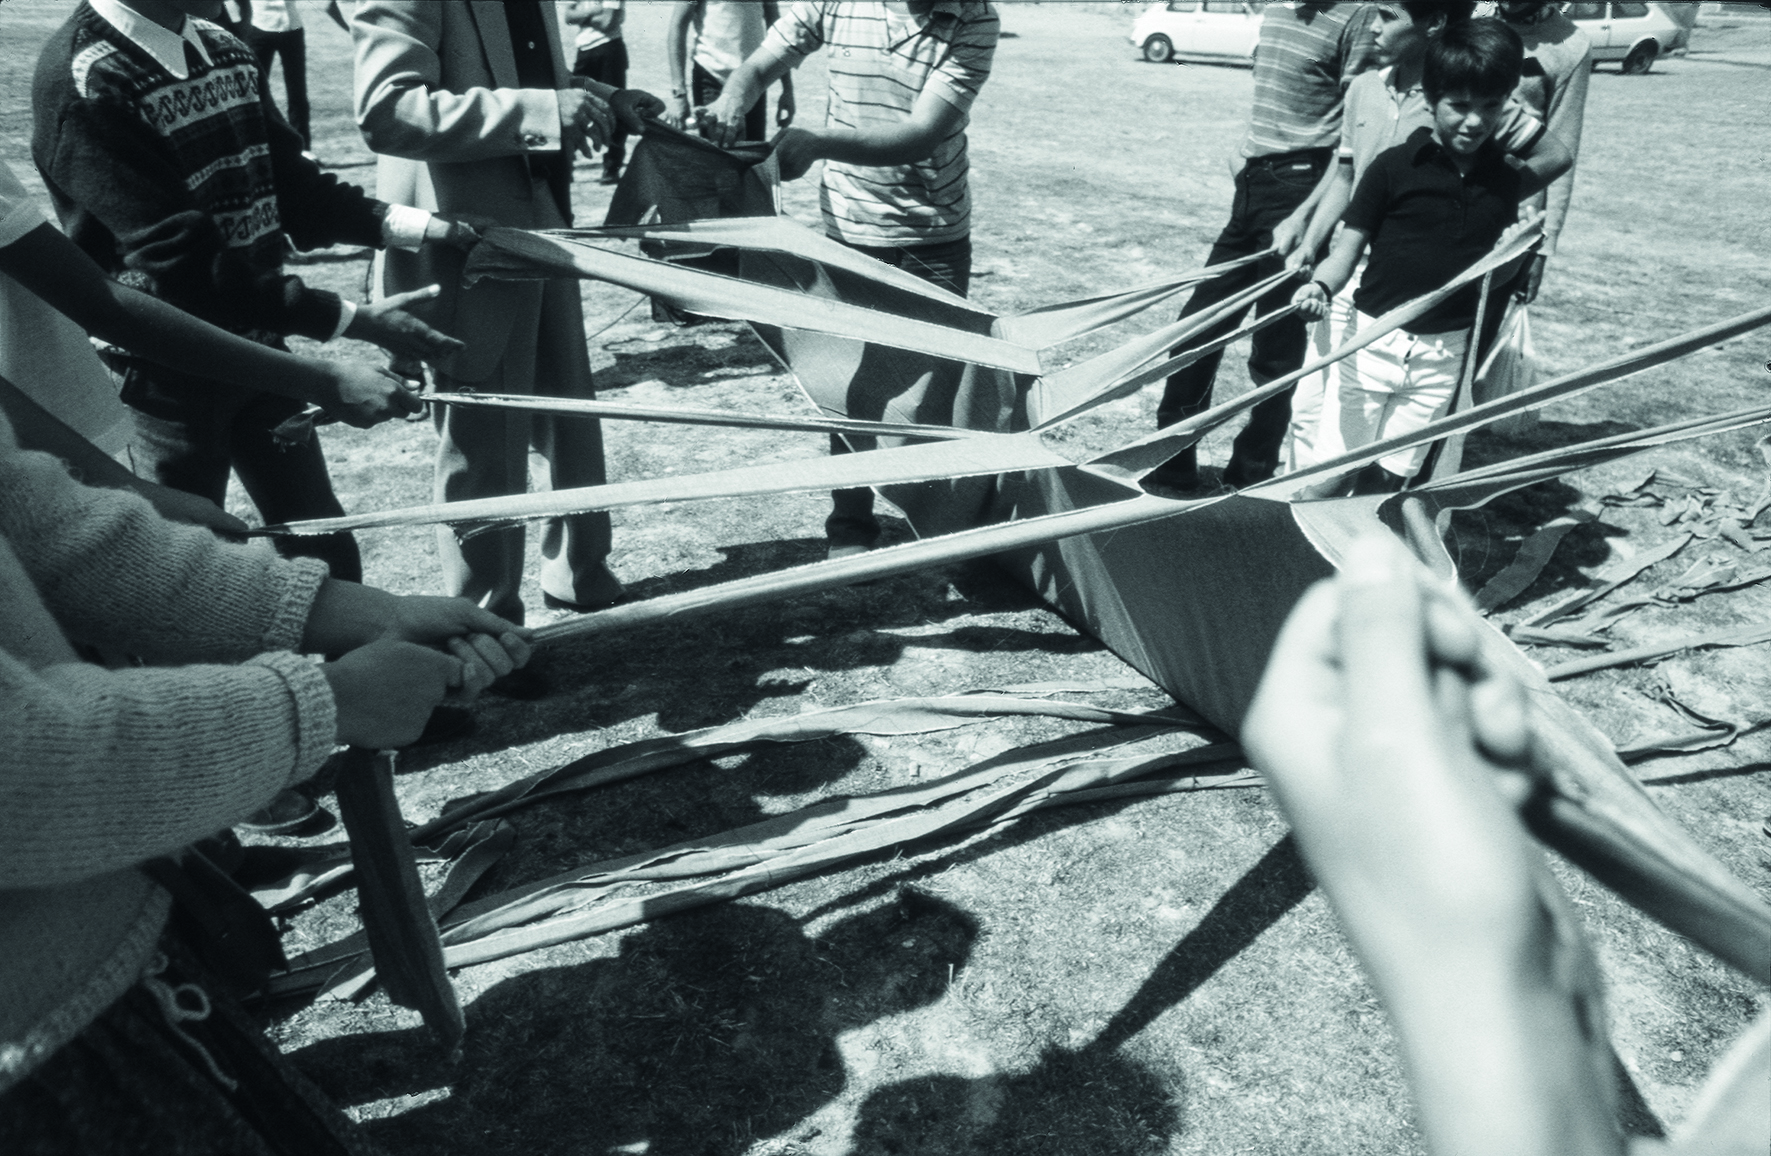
{"x":1463,"y":120}
{"x":1399,"y":38}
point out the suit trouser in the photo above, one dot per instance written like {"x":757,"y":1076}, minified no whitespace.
{"x":1268,"y":189}
{"x":485,"y":453}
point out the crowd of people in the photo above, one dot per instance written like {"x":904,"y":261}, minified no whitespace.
{"x":159,"y":682}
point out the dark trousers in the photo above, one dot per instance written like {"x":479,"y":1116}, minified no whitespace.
{"x":189,"y":433}
{"x":1268,"y":189}
{"x":607,"y":64}
{"x":292,"y":47}
{"x":947,"y":264}
{"x":705,"y":88}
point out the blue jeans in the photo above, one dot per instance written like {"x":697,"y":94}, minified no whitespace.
{"x":947,"y":264}
{"x":1268,"y":189}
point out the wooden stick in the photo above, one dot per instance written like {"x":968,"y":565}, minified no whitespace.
{"x":397,"y":920}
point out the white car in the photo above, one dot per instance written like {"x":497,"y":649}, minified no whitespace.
{"x":1219,"y":31}
{"x":1634,"y":35}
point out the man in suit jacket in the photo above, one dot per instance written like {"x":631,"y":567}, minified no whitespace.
{"x":473,"y":111}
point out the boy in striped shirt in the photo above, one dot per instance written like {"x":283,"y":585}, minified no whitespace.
{"x":903,"y":76}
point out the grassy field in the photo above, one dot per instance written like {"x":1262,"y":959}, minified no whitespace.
{"x":1150,"y":976}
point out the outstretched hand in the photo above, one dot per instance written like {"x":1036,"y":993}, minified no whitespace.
{"x":387,"y":324}
{"x":487,"y":646}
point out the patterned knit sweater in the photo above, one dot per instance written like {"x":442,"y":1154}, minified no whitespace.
{"x":186,"y":188}
{"x":102,"y":769}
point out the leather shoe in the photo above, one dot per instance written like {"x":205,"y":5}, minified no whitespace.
{"x":553,"y":602}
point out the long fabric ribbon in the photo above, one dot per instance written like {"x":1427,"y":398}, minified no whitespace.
{"x":521,"y":255}
{"x":985,"y":454}
{"x":621,"y":410}
{"x":1139,"y":457}
{"x":1039,"y":328}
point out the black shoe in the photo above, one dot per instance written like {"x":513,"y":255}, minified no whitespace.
{"x":553,"y":602}
{"x":446,"y":724}
{"x":609,"y":179}
{"x":1240,"y":474}
{"x":525,"y":684}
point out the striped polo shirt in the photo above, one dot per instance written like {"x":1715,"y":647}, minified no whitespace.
{"x":879,"y":62}
{"x":1306,"y":56}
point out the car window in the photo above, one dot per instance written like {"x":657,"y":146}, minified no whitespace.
{"x":1586,"y":12}
{"x":1183,"y":5}
{"x":1224,"y":6}
{"x":1628,"y":11}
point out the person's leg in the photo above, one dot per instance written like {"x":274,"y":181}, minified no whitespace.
{"x":482,"y":454}
{"x":615,"y":73}
{"x":1431,"y":371}
{"x":948,"y":264}
{"x":607,"y":64}
{"x":1273,"y":193}
{"x":704,"y":89}
{"x":288,"y":482}
{"x":1188,"y":390}
{"x":264,"y":46}
{"x":294,"y":50}
{"x":574,"y":550}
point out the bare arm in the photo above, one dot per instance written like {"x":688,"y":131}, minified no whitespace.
{"x":53,"y":267}
{"x":676,"y":51}
{"x":1547,"y":159}
{"x":1333,"y":274}
{"x":1288,"y":234}
{"x":1332,"y":193}
{"x":912,"y":139}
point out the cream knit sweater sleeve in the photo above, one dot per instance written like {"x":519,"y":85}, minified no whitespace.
{"x":113,"y":572}
{"x":101,"y":769}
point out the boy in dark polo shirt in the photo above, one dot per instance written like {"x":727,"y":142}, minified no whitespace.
{"x":1428,"y":209}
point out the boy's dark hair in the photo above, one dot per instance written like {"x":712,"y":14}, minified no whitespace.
{"x":1481,"y":57}
{"x":1454,"y":11}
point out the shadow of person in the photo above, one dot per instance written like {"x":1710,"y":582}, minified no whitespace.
{"x":1068,"y":1104}
{"x":708,"y":1031}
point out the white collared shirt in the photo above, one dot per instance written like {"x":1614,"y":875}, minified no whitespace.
{"x":165,"y":47}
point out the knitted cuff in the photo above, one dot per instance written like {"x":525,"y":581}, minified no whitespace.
{"x":316,"y":714}
{"x":294,"y":586}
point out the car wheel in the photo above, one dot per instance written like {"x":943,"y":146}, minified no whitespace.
{"x":1158,"y":50}
{"x":1640,"y":59}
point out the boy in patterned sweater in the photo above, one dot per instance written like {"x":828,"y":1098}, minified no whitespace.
{"x":169,"y":166}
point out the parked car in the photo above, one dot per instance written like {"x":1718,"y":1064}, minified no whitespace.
{"x":1218,"y":31}
{"x":1634,"y":35}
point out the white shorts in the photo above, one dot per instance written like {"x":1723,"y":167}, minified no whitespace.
{"x":1394,"y":386}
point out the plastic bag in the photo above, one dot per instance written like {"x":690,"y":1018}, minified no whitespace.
{"x":1511,"y":367}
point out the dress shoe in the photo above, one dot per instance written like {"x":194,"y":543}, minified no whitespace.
{"x":553,"y":602}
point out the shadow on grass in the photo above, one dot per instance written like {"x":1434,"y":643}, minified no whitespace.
{"x":1267,"y":891}
{"x":709,"y":1031}
{"x":1069,"y":1104}
{"x":1484,"y":540}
